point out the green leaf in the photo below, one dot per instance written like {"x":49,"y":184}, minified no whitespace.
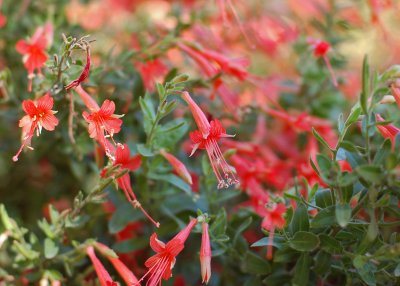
{"x":354,"y":159}
{"x":277,"y":242}
{"x":218,"y":226}
{"x":242,"y":227}
{"x":149,"y":114}
{"x":168,"y":135}
{"x":173,"y":180}
{"x":255,"y":264}
{"x":320,"y":139}
{"x":323,"y":198}
{"x":383,"y":153}
{"x":324,"y":218}
{"x":25,"y":250}
{"x":353,"y":116}
{"x":302,"y":270}
{"x":7,"y":222}
{"x":365,"y":86}
{"x":129,"y":245}
{"x":144,"y":151}
{"x":343,"y":214}
{"x":330,"y":244}
{"x":346,"y":179}
{"x":396,"y":271}
{"x":50,"y":248}
{"x":300,"y":220}
{"x":341,"y":125}
{"x":326,"y":167}
{"x":370,"y":173}
{"x":323,"y":262}
{"x":160,"y":90}
{"x":54,"y":214}
{"x":365,"y":269}
{"x":304,"y":241}
{"x":46,"y":228}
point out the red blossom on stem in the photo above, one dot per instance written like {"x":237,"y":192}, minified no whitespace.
{"x":33,"y":50}
{"x":160,"y":265}
{"x":122,"y":269}
{"x":104,"y":277}
{"x":205,"y":254}
{"x":178,"y":166}
{"x":123,"y":158}
{"x":388,"y":131}
{"x":103,"y":123}
{"x":207,"y":137}
{"x":38,"y":115}
{"x":395,"y":88}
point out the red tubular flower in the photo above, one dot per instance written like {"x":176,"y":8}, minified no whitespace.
{"x":388,"y":131}
{"x":104,"y":278}
{"x":178,"y":166}
{"x":123,"y":158}
{"x":84,"y":74}
{"x":273,"y":219}
{"x":90,"y":103}
{"x":103,"y":123}
{"x":321,"y":49}
{"x":396,"y":92}
{"x":122,"y":269}
{"x":151,"y":71}
{"x":33,"y":50}
{"x":39,"y":115}
{"x":206,"y":138}
{"x":205,"y":254}
{"x":227,"y":96}
{"x":160,"y":265}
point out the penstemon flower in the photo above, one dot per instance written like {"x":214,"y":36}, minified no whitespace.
{"x":33,"y":50}
{"x":206,"y":138}
{"x":387,"y":131}
{"x":124,"y":159}
{"x":178,"y":166}
{"x":160,"y":265}
{"x":103,"y":123}
{"x":122,"y":269}
{"x":104,"y":277}
{"x":395,"y":88}
{"x":205,"y":254}
{"x":38,"y":115}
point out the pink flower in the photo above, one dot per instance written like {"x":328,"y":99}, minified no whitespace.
{"x":103,"y":123}
{"x":205,"y":254}
{"x":104,"y":277}
{"x":387,"y":131}
{"x":206,"y":138}
{"x":38,"y":115}
{"x":396,"y":92}
{"x":160,"y":265}
{"x":33,"y":50}
{"x":178,"y":166}
{"x":122,"y":269}
{"x":151,"y":71}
